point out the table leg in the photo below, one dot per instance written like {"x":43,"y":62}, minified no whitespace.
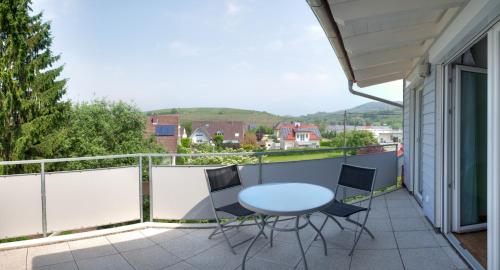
{"x":318,"y":233}
{"x":261,"y":231}
{"x":272,"y":230}
{"x":300,"y":243}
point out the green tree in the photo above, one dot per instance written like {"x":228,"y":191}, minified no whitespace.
{"x":354,"y":138}
{"x":30,"y":89}
{"x":104,"y":128}
{"x":218,"y":140}
{"x":186,"y":142}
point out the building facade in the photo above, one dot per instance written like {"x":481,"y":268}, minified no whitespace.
{"x":448,"y":55}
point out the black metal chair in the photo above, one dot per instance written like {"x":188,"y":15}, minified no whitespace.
{"x":358,"y":178}
{"x":225,"y":178}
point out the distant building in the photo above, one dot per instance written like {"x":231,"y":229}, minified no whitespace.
{"x":297,"y":135}
{"x":166,"y":130}
{"x":204,"y":131}
{"x":383,"y":134}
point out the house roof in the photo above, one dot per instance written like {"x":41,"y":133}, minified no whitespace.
{"x":228,"y":128}
{"x":378,"y":41}
{"x":164,"y":127}
{"x":288,"y":131}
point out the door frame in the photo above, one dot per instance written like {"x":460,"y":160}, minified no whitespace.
{"x":417,"y":142}
{"x":456,"y":97}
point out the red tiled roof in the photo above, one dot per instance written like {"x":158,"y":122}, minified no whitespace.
{"x":288,"y":131}
{"x":169,"y":143}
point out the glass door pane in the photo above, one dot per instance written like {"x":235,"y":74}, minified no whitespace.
{"x":472,"y":144}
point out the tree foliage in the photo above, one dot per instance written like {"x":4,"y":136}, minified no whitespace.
{"x":213,"y":160}
{"x":353,"y":138}
{"x":218,"y":140}
{"x":31,"y":109}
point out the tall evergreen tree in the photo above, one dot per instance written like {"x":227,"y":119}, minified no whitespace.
{"x":31,"y":106}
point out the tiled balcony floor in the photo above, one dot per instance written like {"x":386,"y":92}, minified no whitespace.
{"x":403,"y":240}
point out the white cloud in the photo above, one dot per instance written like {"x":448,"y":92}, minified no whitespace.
{"x":232,"y":8}
{"x":183,"y":49}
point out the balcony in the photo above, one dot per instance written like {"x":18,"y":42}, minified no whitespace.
{"x":55,"y":203}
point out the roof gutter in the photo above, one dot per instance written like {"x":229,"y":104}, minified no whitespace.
{"x":323,"y":13}
{"x":383,"y":100}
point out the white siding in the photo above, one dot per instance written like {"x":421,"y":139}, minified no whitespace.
{"x":428,"y":144}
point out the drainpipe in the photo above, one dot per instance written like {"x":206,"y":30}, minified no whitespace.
{"x":323,"y":13}
{"x":357,"y":93}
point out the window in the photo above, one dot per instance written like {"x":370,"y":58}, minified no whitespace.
{"x":199,"y":137}
{"x":236,"y":135}
{"x":219,"y":132}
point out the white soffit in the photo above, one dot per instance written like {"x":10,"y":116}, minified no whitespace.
{"x":385,"y":39}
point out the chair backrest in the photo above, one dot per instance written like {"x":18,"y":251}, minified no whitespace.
{"x":223,"y":178}
{"x":357,"y":177}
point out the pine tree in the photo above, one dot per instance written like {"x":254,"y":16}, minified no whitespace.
{"x":31,"y":106}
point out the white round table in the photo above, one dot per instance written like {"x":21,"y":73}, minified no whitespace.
{"x":285,"y":199}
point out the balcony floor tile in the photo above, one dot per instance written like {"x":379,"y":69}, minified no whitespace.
{"x":111,"y":262}
{"x":403,"y":240}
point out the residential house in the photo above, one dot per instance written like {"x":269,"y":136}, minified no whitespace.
{"x":166,"y":130}
{"x":297,"y":135}
{"x":447,"y":52}
{"x":204,"y":131}
{"x":383,"y":134}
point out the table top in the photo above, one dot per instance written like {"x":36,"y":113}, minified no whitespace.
{"x":285,"y":199}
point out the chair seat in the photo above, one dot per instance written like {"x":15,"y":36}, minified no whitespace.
{"x":340,"y":209}
{"x":235,"y":209}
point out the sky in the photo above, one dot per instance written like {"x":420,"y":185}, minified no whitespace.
{"x":262,"y":55}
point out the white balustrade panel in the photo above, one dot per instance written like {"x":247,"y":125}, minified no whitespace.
{"x":180,"y":193}
{"x":82,"y":199}
{"x":20,"y":205}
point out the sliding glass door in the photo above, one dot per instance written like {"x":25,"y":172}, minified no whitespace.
{"x":470,"y":161}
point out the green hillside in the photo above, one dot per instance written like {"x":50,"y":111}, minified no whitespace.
{"x":371,"y":113}
{"x":374,"y":113}
{"x":223,"y":114}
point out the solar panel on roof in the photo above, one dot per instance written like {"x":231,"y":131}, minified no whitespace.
{"x":165,"y":130}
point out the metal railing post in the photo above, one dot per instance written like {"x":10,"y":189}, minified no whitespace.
{"x":44,"y":199}
{"x":141,"y":193}
{"x":260,"y":169}
{"x":150,"y":172}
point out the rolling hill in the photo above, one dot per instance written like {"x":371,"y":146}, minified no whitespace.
{"x":223,"y":114}
{"x":369,"y":113}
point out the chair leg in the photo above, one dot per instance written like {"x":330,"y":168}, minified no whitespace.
{"x":337,"y":222}
{"x":239,"y":224}
{"x":213,"y":233}
{"x":363,"y":228}
{"x":321,"y":227}
{"x":361,"y":225}
{"x":227,"y":239}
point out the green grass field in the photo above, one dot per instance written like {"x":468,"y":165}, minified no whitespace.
{"x":300,"y":156}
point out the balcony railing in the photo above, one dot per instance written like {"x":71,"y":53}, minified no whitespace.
{"x":54,"y":201}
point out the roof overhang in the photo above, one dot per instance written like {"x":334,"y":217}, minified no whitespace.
{"x":378,"y":41}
